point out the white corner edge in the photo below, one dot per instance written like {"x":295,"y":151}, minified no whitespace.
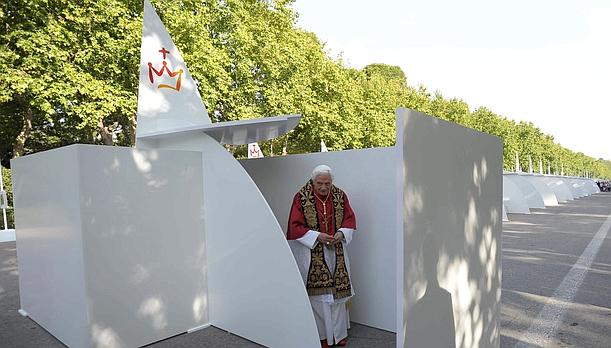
{"x":23,"y":312}
{"x":197,"y":328}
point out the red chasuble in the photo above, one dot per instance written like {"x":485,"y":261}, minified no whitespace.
{"x":297,"y":226}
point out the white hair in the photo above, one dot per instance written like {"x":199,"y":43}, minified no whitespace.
{"x":322,"y":170}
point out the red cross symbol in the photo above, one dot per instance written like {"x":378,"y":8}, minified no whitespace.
{"x":164,"y":52}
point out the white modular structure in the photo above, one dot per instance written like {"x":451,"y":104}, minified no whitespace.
{"x":513,"y":199}
{"x":591,"y":186}
{"x":531,"y":194}
{"x":577,"y":187}
{"x":254,"y":286}
{"x":560,"y":187}
{"x":368,"y":177}
{"x":132,"y":246}
{"x":111,"y":243}
{"x":538,"y":181}
{"x":441,"y":185}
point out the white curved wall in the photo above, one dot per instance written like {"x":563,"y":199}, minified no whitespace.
{"x":560,"y":188}
{"x":530,"y":193}
{"x":254,"y":286}
{"x":592,"y":187}
{"x":513,"y":199}
{"x":574,"y":186}
{"x":549,"y":197}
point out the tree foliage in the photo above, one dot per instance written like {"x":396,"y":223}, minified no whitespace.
{"x":69,"y":73}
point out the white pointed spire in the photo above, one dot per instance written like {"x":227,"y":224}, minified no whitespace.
{"x":518,"y":169}
{"x":167,"y":94}
{"x":323,"y":147}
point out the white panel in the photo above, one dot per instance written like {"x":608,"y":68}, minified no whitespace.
{"x":452,"y":233}
{"x":254,"y":286}
{"x":530,"y":193}
{"x":49,"y":244}
{"x":7,"y":235}
{"x":368,"y":178}
{"x":577,"y":187}
{"x":234,"y":132}
{"x":560,"y":188}
{"x":513,"y":199}
{"x":143,"y":243}
{"x":591,"y":186}
{"x":549,"y":197}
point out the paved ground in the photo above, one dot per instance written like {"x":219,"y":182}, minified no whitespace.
{"x":539,"y":250}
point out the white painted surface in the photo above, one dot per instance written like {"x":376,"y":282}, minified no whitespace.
{"x":549,"y":197}
{"x":165,"y":108}
{"x":143,"y":243}
{"x":545,"y":327}
{"x":560,"y":188}
{"x":100,"y":246}
{"x":368,"y":178}
{"x":7,"y":235}
{"x":233,"y":132}
{"x":255,"y":290}
{"x":591,"y":186}
{"x":513,"y":199}
{"x":452,"y":208}
{"x":577,"y":187}
{"x":530,"y":193}
{"x":49,"y":244}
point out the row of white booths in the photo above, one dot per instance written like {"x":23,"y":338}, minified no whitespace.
{"x":523,"y":192}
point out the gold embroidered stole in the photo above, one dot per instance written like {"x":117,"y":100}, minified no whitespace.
{"x":320,"y":281}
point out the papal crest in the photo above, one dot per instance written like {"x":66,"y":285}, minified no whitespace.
{"x":175,"y":76}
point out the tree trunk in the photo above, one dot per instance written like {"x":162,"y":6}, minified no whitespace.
{"x":19,"y":146}
{"x":131,"y":132}
{"x":104,"y":133}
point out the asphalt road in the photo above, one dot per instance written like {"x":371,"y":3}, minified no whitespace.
{"x":540,"y":251}
{"x":544,"y":292}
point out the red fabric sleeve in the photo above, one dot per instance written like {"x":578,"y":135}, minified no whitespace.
{"x":349,"y":217}
{"x":297,"y":226}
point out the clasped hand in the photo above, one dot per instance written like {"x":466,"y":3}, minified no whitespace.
{"x":330,"y":240}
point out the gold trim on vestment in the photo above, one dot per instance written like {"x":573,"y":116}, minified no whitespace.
{"x":320,"y":281}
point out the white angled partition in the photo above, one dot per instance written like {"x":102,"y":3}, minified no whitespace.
{"x":513,"y":199}
{"x":559,"y":186}
{"x":577,"y":187}
{"x":538,"y":181}
{"x":531,"y":194}
{"x":450,"y":250}
{"x":111,"y":243}
{"x":591,"y":186}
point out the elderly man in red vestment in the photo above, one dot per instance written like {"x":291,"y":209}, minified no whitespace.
{"x":322,"y":223}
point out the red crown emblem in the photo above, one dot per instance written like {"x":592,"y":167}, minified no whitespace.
{"x":165,"y":69}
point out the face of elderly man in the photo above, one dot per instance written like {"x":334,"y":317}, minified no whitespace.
{"x":322,"y":184}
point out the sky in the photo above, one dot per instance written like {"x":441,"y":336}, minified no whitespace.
{"x":543,"y":61}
